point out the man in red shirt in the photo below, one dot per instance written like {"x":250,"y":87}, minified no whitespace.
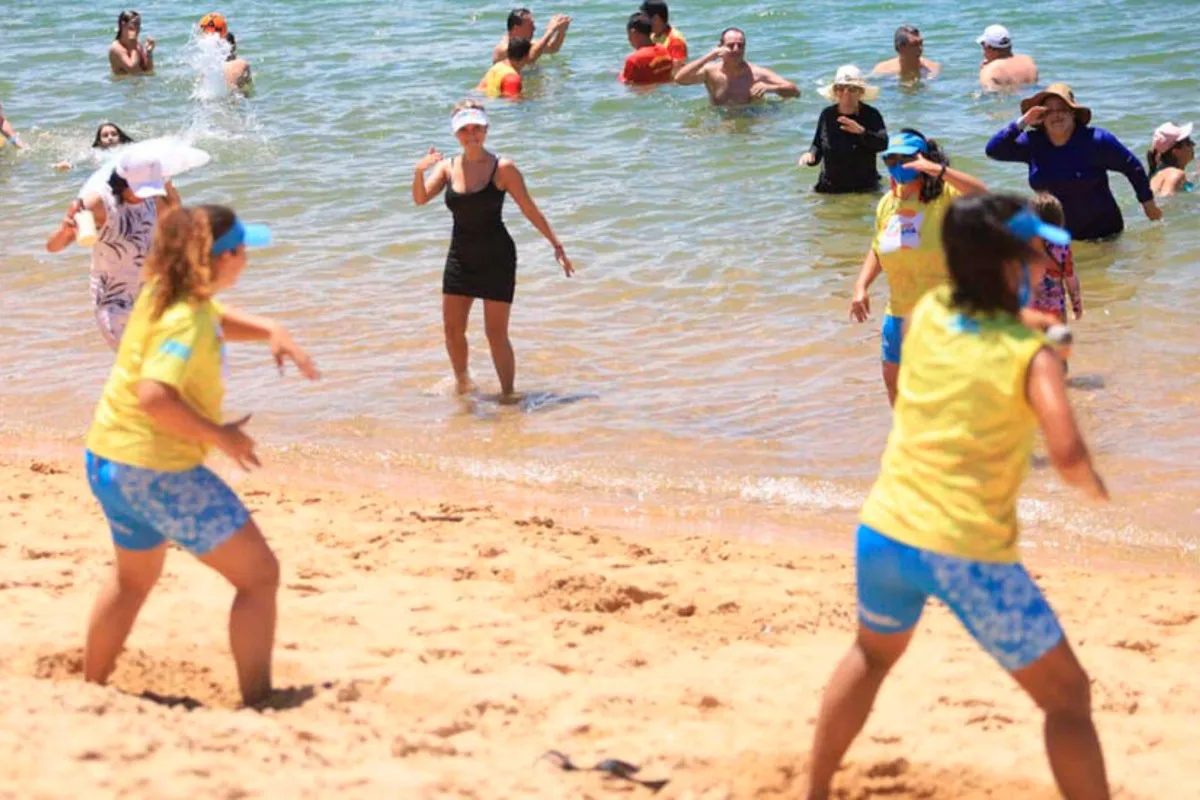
{"x":649,"y":63}
{"x":662,"y":32}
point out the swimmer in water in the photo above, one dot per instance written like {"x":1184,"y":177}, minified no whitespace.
{"x":108,"y":136}
{"x":730,"y":79}
{"x":910,"y":63}
{"x":6,"y":130}
{"x":503,"y":79}
{"x":237,"y":70}
{"x":126,"y":55}
{"x":520,"y":24}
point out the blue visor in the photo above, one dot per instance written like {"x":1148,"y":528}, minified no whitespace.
{"x":241,"y":234}
{"x":1025,"y":225}
{"x":905,"y":144}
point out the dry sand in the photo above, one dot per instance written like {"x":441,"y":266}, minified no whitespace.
{"x":437,"y":649}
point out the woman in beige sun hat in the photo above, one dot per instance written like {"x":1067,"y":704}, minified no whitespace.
{"x":849,"y":136}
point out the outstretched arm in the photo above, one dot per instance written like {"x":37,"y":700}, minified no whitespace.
{"x":67,"y":229}
{"x":238,"y":326}
{"x":560,"y":35}
{"x":509,"y":178}
{"x":1045,"y":386}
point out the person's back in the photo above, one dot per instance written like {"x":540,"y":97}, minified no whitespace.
{"x":1016,"y":70}
{"x":649,"y":63}
{"x":504,"y":78}
{"x":962,"y":433}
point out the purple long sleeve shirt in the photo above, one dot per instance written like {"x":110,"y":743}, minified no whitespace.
{"x":1076,"y":173}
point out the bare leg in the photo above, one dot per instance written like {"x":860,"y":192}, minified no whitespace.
{"x":495,"y":320}
{"x":891,"y":373}
{"x":117,"y":607}
{"x":456,"y":310}
{"x":1060,"y":687}
{"x":848,"y":700}
{"x":246,"y":561}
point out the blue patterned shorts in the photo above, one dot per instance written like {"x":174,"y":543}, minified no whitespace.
{"x":892,"y":335}
{"x":998,"y":604}
{"x":145,"y":507}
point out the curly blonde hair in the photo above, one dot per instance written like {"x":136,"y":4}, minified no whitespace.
{"x":179,"y":265}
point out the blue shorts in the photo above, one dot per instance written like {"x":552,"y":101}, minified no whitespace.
{"x":145,"y":507}
{"x":998,"y":604}
{"x":893,"y":336}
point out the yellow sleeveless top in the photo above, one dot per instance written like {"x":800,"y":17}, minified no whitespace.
{"x":962,"y":434}
{"x":501,"y":80}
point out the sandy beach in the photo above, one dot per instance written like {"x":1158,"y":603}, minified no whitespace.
{"x":434,"y":648}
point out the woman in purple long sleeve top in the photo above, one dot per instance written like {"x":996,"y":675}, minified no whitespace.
{"x":1071,"y":160}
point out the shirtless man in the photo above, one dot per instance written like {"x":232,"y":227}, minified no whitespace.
{"x":1000,"y":68}
{"x":910,"y":63}
{"x":520,"y":23}
{"x":6,"y":130}
{"x":126,"y":55}
{"x":237,"y":70}
{"x":731,"y":80}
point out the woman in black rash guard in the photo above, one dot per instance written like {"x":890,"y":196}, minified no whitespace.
{"x":850,"y":134}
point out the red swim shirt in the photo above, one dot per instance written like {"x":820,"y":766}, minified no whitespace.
{"x":648,"y":65}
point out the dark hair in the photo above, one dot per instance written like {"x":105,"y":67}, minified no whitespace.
{"x":978,"y":245}
{"x":118,"y":186}
{"x":903,"y":34}
{"x":1049,"y":209}
{"x":931,"y":187}
{"x":517,"y":17}
{"x":639,"y":22}
{"x":232,"y":47}
{"x":122,"y":136}
{"x":1157,"y":161}
{"x":721,"y":38}
{"x":656,"y":8}
{"x":124,"y":18}
{"x":518,"y":48}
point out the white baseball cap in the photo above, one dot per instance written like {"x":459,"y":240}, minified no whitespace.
{"x":144,"y":175}
{"x":996,"y":36}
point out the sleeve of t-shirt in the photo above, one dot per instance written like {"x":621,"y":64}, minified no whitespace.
{"x":815,"y":149}
{"x":1117,"y":157}
{"x":1009,"y":144}
{"x":170,"y":347}
{"x":510,"y":85}
{"x":626,"y":75}
{"x":876,"y":136}
{"x":677,"y":49}
{"x":880,"y":221}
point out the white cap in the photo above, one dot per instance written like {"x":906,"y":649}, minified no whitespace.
{"x":996,"y":36}
{"x":144,"y":175}
{"x":468,"y":116}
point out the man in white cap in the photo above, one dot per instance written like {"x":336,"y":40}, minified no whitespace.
{"x":1000,"y":67}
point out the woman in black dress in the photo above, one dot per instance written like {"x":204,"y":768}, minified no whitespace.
{"x":482,"y":261}
{"x":849,"y":138}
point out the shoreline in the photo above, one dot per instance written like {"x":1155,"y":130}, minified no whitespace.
{"x":433,"y":644}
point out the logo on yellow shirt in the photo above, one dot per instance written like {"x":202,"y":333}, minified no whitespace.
{"x":902,"y":231}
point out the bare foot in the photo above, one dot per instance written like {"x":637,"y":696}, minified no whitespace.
{"x":464,"y":385}
{"x":509,"y":398}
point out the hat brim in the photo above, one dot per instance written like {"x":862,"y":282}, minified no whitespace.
{"x":257,"y":235}
{"x":1083,"y":114}
{"x":148,"y":190}
{"x":869,"y":92}
{"x":901,"y":150}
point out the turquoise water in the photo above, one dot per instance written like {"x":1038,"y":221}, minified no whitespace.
{"x":708,"y":319}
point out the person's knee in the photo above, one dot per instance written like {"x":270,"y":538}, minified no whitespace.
{"x":1069,"y":692}
{"x":265,"y":576}
{"x":137,"y":582}
{"x":455,"y":331}
{"x":880,"y":652}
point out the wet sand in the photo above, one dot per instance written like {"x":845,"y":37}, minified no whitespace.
{"x":430,"y":647}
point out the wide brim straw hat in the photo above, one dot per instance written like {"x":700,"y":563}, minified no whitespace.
{"x":849,"y":75}
{"x":1083,"y":114}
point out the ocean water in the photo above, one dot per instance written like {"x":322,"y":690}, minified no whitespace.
{"x":701,"y":358}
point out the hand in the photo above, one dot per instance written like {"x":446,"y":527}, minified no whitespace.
{"x":807,"y":160}
{"x":429,"y":159}
{"x":1033,"y":116}
{"x":851,"y":126}
{"x":150,"y":45}
{"x":758,"y":91}
{"x":560,"y":255}
{"x":1153,"y":212}
{"x":860,"y":306}
{"x":558,"y":21}
{"x":719,"y":52}
{"x":237,"y":445}
{"x":284,"y":349}
{"x":63,"y":165}
{"x":73,"y":209}
{"x":923,"y":165}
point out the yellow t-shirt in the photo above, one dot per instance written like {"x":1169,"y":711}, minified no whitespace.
{"x":502,"y":80}
{"x":675,"y":43}
{"x":908,"y":241}
{"x":184,"y":349}
{"x":962,"y":433}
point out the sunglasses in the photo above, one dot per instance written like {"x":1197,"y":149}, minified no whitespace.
{"x":895,"y":160}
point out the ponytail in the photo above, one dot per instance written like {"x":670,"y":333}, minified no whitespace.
{"x":179,"y":266}
{"x":1152,"y":160}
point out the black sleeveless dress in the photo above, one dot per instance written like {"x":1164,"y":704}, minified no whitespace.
{"x":482,"y":261}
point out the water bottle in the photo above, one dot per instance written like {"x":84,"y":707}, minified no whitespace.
{"x":85,"y":228}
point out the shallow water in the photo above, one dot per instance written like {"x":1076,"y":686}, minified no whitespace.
{"x":702,"y":355}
